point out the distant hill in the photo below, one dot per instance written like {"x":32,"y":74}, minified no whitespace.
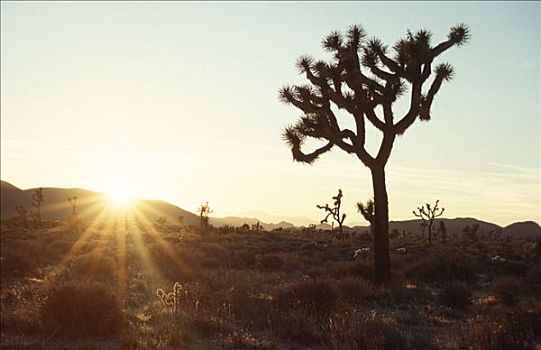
{"x":527,"y":229}
{"x":91,"y":204}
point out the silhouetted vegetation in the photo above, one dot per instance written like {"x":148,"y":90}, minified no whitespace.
{"x":362,"y":79}
{"x":428,"y":214}
{"x":37,"y":198}
{"x":204,"y":212}
{"x":334,"y":212}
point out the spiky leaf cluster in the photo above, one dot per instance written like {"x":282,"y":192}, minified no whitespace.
{"x":367,"y":210}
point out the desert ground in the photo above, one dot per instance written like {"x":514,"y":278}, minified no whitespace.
{"x":124,"y":283}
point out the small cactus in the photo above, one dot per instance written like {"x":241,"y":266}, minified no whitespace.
{"x":172,"y":299}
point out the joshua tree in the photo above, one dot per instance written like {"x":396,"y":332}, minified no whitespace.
{"x":335,"y":212}
{"x":428,"y":215}
{"x":367,"y":211}
{"x":73,"y":203}
{"x":204,"y":211}
{"x":37,"y":198}
{"x":364,"y":79}
{"x":21,"y":213}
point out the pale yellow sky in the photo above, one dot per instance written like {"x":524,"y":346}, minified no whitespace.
{"x":178,"y":101}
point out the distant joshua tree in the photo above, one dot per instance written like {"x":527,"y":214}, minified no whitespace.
{"x":364,"y":79}
{"x":470,"y":232}
{"x":335,"y":213}
{"x":428,"y":214}
{"x":21,"y":213}
{"x":204,"y":212}
{"x":73,"y":202}
{"x":37,"y":198}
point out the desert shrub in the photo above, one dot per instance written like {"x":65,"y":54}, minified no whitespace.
{"x":243,"y":259}
{"x":351,"y":268}
{"x":99,"y":266}
{"x":270,"y":262}
{"x":514,"y":268}
{"x":504,"y":332}
{"x":507,"y":289}
{"x":356,"y":290}
{"x":314,"y":296}
{"x":297,"y":327}
{"x":173,"y":264}
{"x":81,"y":309}
{"x":442,"y":267}
{"x":17,"y":261}
{"x":456,"y":295}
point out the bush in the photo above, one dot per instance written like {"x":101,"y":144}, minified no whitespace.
{"x":314,"y":296}
{"x":356,"y":290}
{"x":442,"y":267}
{"x":456,"y":295}
{"x":506,"y":289}
{"x":17,"y":262}
{"x":270,"y":262}
{"x":81,"y":309}
{"x":504,"y":332}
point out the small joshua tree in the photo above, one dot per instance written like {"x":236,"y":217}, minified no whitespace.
{"x":366,"y":80}
{"x":37,"y":198}
{"x":334,"y":212}
{"x":368,"y":212}
{"x":21,"y":213}
{"x":73,"y":202}
{"x":204,"y":211}
{"x":428,"y":214}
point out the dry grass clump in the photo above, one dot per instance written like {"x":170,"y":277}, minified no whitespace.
{"x":81,"y":309}
{"x":505,"y":332}
{"x":370,"y":331}
{"x":316,"y":296}
{"x":443,"y":266}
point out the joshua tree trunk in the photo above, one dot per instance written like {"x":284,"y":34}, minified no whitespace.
{"x":381,"y":226}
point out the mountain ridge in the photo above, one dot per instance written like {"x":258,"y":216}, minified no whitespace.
{"x":91,"y":203}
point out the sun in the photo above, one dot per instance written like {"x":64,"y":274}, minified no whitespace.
{"x":119,"y":196}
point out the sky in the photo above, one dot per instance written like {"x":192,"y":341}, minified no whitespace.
{"x":179,"y":101}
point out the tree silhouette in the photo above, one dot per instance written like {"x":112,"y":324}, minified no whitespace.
{"x":73,"y":202}
{"x":335,"y":212}
{"x":428,"y":214}
{"x":204,"y":212}
{"x":364,"y":80}
{"x":37,"y":198}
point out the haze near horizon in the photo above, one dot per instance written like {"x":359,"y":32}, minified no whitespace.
{"x":178,"y":101}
